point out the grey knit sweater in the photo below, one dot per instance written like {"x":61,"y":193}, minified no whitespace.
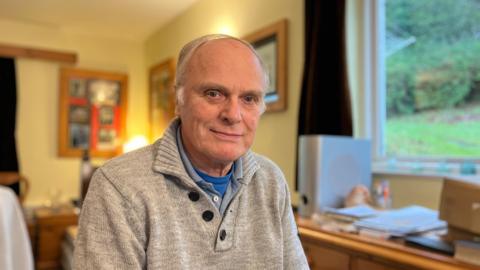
{"x":143,"y":211}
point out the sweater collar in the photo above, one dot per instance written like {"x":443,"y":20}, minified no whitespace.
{"x":168,"y":161}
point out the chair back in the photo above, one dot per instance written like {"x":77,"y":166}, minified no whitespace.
{"x":13,"y":178}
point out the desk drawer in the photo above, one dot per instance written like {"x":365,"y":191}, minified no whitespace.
{"x":324,"y":258}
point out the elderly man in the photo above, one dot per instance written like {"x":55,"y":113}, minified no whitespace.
{"x":197,"y":198}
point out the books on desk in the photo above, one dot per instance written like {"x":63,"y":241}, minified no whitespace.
{"x":403,"y":221}
{"x":384,"y":224}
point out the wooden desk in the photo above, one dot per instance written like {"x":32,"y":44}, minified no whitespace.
{"x":50,"y":226}
{"x":331,"y":250}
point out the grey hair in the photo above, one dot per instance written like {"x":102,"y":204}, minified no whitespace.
{"x":188,"y":51}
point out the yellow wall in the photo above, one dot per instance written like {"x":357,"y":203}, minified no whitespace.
{"x":276,"y":135}
{"x":413,"y":189}
{"x":37,"y":106}
{"x":38,"y":83}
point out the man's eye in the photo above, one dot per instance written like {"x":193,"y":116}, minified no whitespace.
{"x":250,"y":99}
{"x":212,"y":93}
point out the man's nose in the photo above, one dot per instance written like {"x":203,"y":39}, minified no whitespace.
{"x":232,"y":111}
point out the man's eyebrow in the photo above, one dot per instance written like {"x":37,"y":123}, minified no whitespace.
{"x":212,"y":85}
{"x":204,"y":86}
{"x":258,"y":93}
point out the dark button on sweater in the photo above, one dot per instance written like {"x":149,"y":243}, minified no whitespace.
{"x":194,"y":196}
{"x":223,"y":235}
{"x":207,"y":215}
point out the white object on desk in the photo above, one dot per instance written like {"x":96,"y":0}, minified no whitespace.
{"x":15,"y":248}
{"x":328,"y":168}
{"x":403,"y":221}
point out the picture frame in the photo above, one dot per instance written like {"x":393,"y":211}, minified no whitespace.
{"x":92,"y":112}
{"x":271,"y":45}
{"x":161,"y":97}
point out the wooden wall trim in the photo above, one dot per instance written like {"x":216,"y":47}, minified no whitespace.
{"x":50,"y":55}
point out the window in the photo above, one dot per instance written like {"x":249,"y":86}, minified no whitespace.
{"x":414,"y":71}
{"x":432,"y":68}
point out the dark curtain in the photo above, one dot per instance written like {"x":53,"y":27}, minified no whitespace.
{"x":8,"y":107}
{"x":325,"y":100}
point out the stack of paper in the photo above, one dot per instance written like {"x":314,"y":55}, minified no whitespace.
{"x":351,"y":213}
{"x":400,"y":222}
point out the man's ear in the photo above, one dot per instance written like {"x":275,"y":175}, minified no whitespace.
{"x":178,"y":100}
{"x":177,"y":108}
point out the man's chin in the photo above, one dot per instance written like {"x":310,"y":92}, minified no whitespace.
{"x":227,"y":157}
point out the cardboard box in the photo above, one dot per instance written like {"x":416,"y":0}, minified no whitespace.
{"x":460,"y":204}
{"x":455,"y":234}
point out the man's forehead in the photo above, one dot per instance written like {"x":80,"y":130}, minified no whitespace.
{"x":228,"y":61}
{"x":224,"y":55}
{"x":221,"y":47}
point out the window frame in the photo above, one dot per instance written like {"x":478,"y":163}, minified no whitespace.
{"x":366,"y":51}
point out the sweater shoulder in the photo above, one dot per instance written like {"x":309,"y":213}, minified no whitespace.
{"x":267,"y":165}
{"x":270,"y":171}
{"x":130,"y":167}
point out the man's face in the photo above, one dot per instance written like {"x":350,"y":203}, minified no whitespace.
{"x":222,"y":103}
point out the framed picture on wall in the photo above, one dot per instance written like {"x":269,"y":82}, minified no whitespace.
{"x":271,"y":44}
{"x":162,"y":97}
{"x":92,"y":110}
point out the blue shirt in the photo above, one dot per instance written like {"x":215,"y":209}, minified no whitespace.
{"x":232,"y":187}
{"x":219,"y":183}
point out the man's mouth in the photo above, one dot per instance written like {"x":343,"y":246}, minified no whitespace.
{"x":226,"y":135}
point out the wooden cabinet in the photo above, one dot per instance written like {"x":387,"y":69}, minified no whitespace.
{"x":325,"y":258}
{"x":364,"y":264}
{"x":50,"y":226}
{"x":333,"y":250}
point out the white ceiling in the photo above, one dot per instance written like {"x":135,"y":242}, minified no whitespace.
{"x":125,"y":19}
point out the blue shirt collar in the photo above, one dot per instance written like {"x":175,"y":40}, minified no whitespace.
{"x":237,"y":172}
